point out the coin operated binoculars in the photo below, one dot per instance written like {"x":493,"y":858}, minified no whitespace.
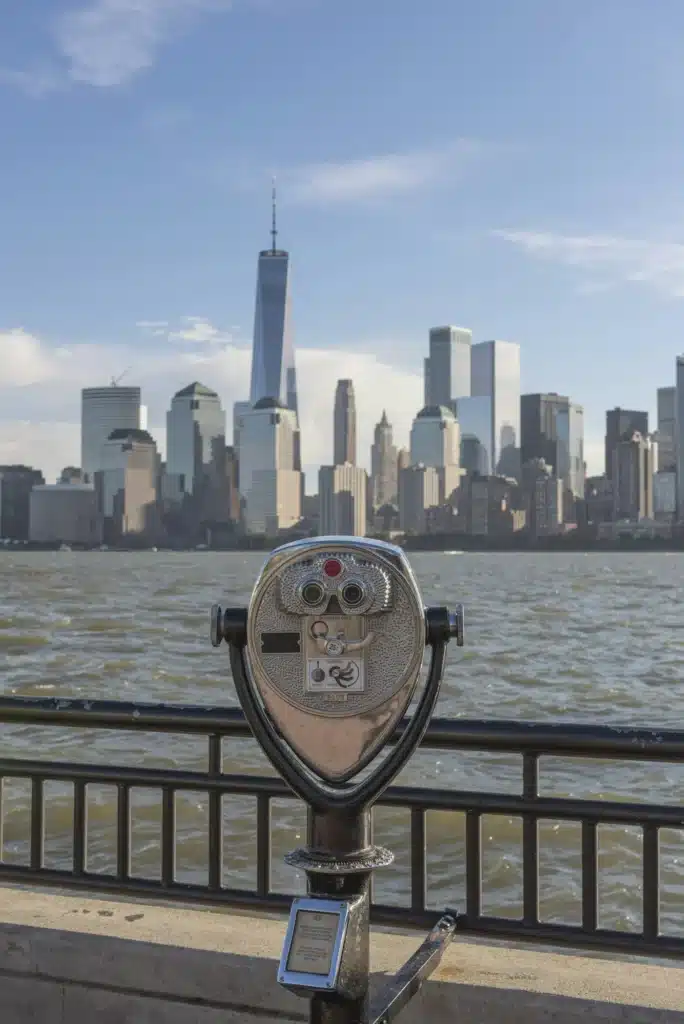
{"x":326,"y":661}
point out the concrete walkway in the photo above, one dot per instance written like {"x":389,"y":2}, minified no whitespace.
{"x":66,"y":958}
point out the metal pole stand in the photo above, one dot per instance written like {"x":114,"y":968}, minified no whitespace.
{"x":327,"y":945}
{"x":345,"y":877}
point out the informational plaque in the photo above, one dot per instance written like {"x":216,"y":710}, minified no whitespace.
{"x":313,"y":942}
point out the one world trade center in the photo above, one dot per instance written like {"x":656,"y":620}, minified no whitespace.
{"x":273,"y":365}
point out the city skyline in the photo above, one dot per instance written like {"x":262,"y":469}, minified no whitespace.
{"x":57,"y":459}
{"x":402,"y":208}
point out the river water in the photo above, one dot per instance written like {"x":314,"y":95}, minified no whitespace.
{"x":581,"y":637}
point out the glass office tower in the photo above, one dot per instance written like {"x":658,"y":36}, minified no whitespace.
{"x":273,"y":364}
{"x":447,"y":369}
{"x":495,"y":374}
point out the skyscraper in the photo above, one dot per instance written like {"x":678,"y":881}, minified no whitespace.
{"x":127,"y":484}
{"x":103,"y":410}
{"x":552,"y":429}
{"x":273,"y":364}
{"x":435,"y":442}
{"x":270,"y":481}
{"x":679,"y":436}
{"x":342,"y":494}
{"x":621,"y":424}
{"x":667,"y":404}
{"x":195,"y":438}
{"x":384,"y":468}
{"x":447,"y":368}
{"x":344,"y":440}
{"x":495,"y":401}
{"x":633,"y":478}
{"x":16,"y":483}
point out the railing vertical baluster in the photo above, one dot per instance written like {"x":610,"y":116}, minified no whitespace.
{"x":651,"y":882}
{"x":37,"y":823}
{"x":473,"y":838}
{"x":215,"y":851}
{"x":168,"y":836}
{"x":418,"y":858}
{"x":123,"y":833}
{"x":263,"y":844}
{"x":530,"y":841}
{"x":80,"y":828}
{"x":589,"y":877}
{"x":371,"y":884}
{"x":529,"y":741}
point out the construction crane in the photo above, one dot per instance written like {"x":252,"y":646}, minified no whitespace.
{"x":117,"y":380}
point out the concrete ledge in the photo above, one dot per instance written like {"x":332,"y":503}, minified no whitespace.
{"x":66,"y":958}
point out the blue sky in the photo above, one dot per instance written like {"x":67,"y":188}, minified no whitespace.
{"x":515,"y":168}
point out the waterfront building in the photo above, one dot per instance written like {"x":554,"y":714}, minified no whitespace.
{"x":552,"y":429}
{"x":487,"y":506}
{"x":598,"y":497}
{"x":271,"y":484}
{"x":543,"y":490}
{"x":102,"y":411}
{"x":419,"y":492}
{"x":633,"y":466}
{"x":16,"y":484}
{"x":679,"y":436}
{"x":665,"y":495}
{"x":343,"y":499}
{"x":667,"y":420}
{"x":195,"y":440}
{"x":622,"y":424}
{"x":127,"y":486}
{"x":64,"y":513}
{"x":435,"y":442}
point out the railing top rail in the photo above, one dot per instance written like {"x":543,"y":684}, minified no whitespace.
{"x":571,"y":739}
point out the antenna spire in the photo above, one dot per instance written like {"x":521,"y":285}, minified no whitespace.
{"x":274,"y":230}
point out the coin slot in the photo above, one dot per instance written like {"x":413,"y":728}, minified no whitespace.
{"x":281,"y":643}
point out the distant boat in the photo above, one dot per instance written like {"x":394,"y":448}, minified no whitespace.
{"x":64,"y":547}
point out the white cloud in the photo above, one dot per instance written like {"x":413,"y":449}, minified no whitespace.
{"x":379,"y":176}
{"x":40,"y":401}
{"x":613,"y":260}
{"x":107,"y":43}
{"x":40,"y":391}
{"x":198,"y":330}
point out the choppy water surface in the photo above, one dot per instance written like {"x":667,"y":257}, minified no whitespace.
{"x":586,"y":637}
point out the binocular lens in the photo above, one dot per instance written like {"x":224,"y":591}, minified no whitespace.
{"x":352,"y":594}
{"x":312,"y":593}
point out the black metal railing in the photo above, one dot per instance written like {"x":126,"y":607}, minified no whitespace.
{"x":531,"y":741}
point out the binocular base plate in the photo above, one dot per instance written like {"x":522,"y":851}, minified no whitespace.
{"x":318,"y":863}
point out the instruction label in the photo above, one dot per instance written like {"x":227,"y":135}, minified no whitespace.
{"x":335,"y":675}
